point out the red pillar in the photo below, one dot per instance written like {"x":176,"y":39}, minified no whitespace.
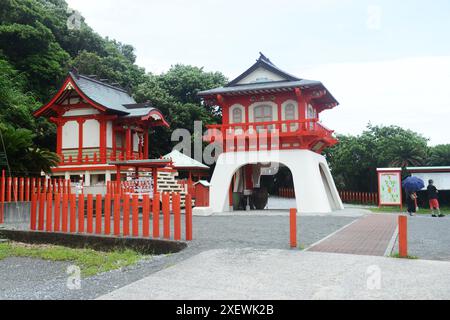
{"x":59,"y":134}
{"x":145,"y":216}
{"x":135,"y":216}
{"x":155,"y":179}
{"x":403,"y":236}
{"x":98,"y":214}
{"x":293,"y":228}
{"x":188,"y":217}
{"x":166,"y":215}
{"x":129,"y":143}
{"x":176,"y":201}
{"x":80,"y":139}
{"x":103,"y":152}
{"x":126,"y":215}
{"x":156,"y":210}
{"x":146,"y":146}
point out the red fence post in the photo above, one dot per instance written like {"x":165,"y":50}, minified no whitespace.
{"x":48,"y":219}
{"x":21,"y":189}
{"x":403,"y":236}
{"x":117,"y":215}
{"x":166,"y":215}
{"x":73,"y":213}
{"x":41,"y":212}
{"x":293,"y":228}
{"x":126,"y":215}
{"x":81,"y":213}
{"x":57,"y":220}
{"x":27,"y":189}
{"x":90,"y":216}
{"x":145,"y":216}
{"x":65,"y":207}
{"x":98,"y":214}
{"x":188,"y":217}
{"x":9,"y":185}
{"x":16,"y":189}
{"x":176,"y":207}
{"x":33,"y":212}
{"x":135,"y":215}
{"x":107,"y":214}
{"x":156,"y":209}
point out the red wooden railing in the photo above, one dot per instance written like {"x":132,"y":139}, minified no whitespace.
{"x":96,"y":158}
{"x":20,"y":189}
{"x":72,"y":214}
{"x":369,"y":198}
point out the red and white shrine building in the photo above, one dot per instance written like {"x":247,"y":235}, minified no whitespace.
{"x":271,"y":117}
{"x":98,"y":124}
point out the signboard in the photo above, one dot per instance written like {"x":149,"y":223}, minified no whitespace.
{"x":389,"y":188}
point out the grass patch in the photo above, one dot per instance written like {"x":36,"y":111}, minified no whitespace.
{"x":91,"y":262}
{"x":422,"y":211}
{"x":397,"y":256}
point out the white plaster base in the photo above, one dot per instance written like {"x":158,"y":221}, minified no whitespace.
{"x":315,"y":189}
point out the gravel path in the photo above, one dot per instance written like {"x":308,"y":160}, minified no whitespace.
{"x":428,"y":238}
{"x":36,"y":279}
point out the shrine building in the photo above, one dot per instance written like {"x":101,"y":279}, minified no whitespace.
{"x":270,"y":118}
{"x":98,"y":123}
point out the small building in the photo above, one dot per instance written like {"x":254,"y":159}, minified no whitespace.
{"x":190,"y":170}
{"x":98,"y":123}
{"x":271,"y":117}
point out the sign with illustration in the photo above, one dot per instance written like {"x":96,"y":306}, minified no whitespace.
{"x":390,"y":188}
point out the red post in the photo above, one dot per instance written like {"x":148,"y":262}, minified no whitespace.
{"x":176,"y":205}
{"x":126,"y":215}
{"x":48,"y":219}
{"x":57,"y":220}
{"x":90,"y":215}
{"x":166,"y":215}
{"x":107,"y":214}
{"x":16,"y":189}
{"x":81,"y":213}
{"x":27,"y":189}
{"x":145,"y":216}
{"x":73,"y":213}
{"x":156,"y":210}
{"x":293,"y":225}
{"x":41,"y":212}
{"x":8,"y":195}
{"x":65,"y":207}
{"x":403,"y":236}
{"x":135,"y":215}
{"x":98,"y":214}
{"x":33,"y":212}
{"x":117,"y":215}
{"x":22,"y":187}
{"x":188,"y":217}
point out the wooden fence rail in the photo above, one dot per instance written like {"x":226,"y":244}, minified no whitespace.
{"x":369,"y":198}
{"x":118,"y":215}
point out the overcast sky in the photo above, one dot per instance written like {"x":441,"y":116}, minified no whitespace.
{"x":387,"y":62}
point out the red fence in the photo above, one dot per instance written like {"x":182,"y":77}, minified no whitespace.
{"x":128,"y":216}
{"x":370,"y":198}
{"x":286,"y":193}
{"x":13,"y":189}
{"x":359,"y":197}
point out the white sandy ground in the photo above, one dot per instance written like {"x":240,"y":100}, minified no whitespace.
{"x":284,"y":274}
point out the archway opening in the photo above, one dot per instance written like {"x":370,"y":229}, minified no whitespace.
{"x":262,"y":186}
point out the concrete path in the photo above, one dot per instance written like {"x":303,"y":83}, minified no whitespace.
{"x":283,"y":274}
{"x":371,"y":235}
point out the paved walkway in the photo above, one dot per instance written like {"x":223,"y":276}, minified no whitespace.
{"x":371,"y":235}
{"x":284,"y":274}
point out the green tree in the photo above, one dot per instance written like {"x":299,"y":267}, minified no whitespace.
{"x":439,"y":155}
{"x":24,"y":158}
{"x":355,"y":159}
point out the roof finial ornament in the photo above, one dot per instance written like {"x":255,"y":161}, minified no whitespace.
{"x":264,"y":58}
{"x":74,"y":71}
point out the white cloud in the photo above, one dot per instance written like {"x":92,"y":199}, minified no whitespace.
{"x":412,"y":93}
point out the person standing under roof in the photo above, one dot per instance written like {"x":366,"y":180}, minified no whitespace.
{"x":432,"y":192}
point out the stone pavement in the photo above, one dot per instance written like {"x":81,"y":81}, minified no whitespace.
{"x":371,"y":235}
{"x":284,"y":274}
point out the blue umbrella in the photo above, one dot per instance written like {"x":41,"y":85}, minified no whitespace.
{"x":413,"y":184}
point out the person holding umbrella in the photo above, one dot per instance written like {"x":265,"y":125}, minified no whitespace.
{"x":433,"y":199}
{"x":411,"y":186}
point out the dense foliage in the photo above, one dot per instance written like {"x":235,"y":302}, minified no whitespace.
{"x":37,"y":48}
